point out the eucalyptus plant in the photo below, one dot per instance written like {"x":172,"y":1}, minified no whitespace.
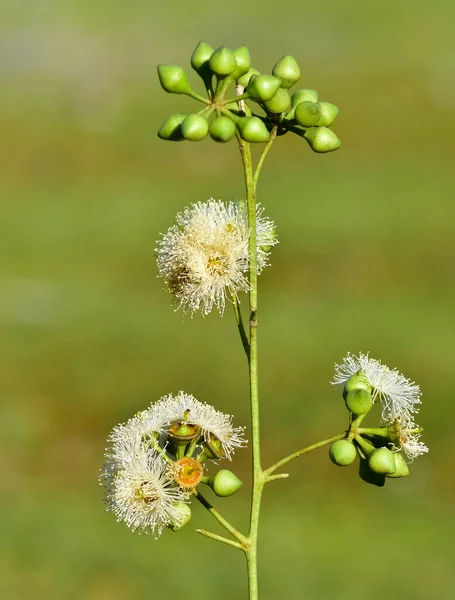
{"x":161,"y":459}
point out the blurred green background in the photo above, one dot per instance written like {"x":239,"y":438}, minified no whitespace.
{"x":365,"y":262}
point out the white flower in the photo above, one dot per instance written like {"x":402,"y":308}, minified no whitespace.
{"x":398,"y":395}
{"x":407,"y":437}
{"x":204,"y":259}
{"x":143,"y":493}
{"x":215,"y":426}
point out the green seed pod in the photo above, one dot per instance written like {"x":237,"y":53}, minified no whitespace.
{"x":185,"y":511}
{"x":358,"y":381}
{"x":170,"y":129}
{"x":307,"y":113}
{"x":224,"y":483}
{"x":194,"y":128}
{"x":287,"y":70}
{"x":242,"y":61}
{"x":222,"y":62}
{"x":200,"y":58}
{"x":401,"y":465}
{"x":245,"y":79}
{"x":359,"y":402}
{"x":370,"y":476}
{"x":263,"y":87}
{"x":173,"y":79}
{"x":342,"y":453}
{"x":279,"y":103}
{"x":328,"y":112}
{"x":304,"y":95}
{"x":252,"y":129}
{"x":222,"y":129}
{"x":322,"y":139}
{"x":382,"y":461}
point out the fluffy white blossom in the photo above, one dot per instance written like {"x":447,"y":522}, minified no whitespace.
{"x":407,"y":438}
{"x":142,"y":493}
{"x":185,"y":408}
{"x":398,"y":395}
{"x":204,"y":258}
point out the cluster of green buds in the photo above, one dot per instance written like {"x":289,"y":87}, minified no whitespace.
{"x":378,"y":448}
{"x":222,"y":117}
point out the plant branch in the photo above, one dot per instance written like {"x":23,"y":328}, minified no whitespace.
{"x":287,"y":459}
{"x":221,"y":520}
{"x":240,"y":326}
{"x":220,"y":538}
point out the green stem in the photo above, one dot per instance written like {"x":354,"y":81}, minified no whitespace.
{"x":263,"y":155}
{"x":268,"y":472}
{"x":219,"y":538}
{"x":221,"y":520}
{"x":240,"y":326}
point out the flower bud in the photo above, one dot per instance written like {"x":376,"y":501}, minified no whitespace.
{"x":224,"y":483}
{"x":370,"y":476}
{"x":358,"y":381}
{"x":358,"y":402}
{"x":222,"y":129}
{"x":382,"y":461}
{"x":170,"y":129}
{"x":194,"y":128}
{"x":222,"y":62}
{"x":244,"y":79}
{"x":279,"y":103}
{"x":200,"y":58}
{"x":263,"y":87}
{"x":328,"y":113}
{"x":401,"y":465}
{"x":274,"y":238}
{"x":304,"y":95}
{"x":342,"y":453}
{"x":322,"y":139}
{"x":252,"y":129}
{"x":307,"y":113}
{"x":287,"y":70}
{"x":184,"y":432}
{"x":242,"y":61}
{"x":185,"y":512}
{"x":173,"y":79}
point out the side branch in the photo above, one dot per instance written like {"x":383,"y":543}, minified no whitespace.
{"x":220,"y":538}
{"x":221,"y":520}
{"x":240,"y":326}
{"x":287,"y":459}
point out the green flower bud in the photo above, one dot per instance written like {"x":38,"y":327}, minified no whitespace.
{"x":322,"y":139}
{"x":222,"y":62}
{"x":359,"y":402}
{"x":224,"y":483}
{"x":252,"y":129}
{"x":242,"y":61}
{"x":304,"y":95}
{"x":194,"y":128}
{"x":170,"y":129}
{"x":342,"y":453}
{"x":328,"y":112}
{"x":185,"y":511}
{"x":263,"y":87}
{"x":279,"y":103}
{"x":173,"y":79}
{"x":222,"y":129}
{"x":401,"y":465}
{"x":307,"y":113}
{"x":244,"y":79}
{"x":370,"y":476}
{"x":382,"y":461}
{"x":358,"y":381}
{"x":200,"y":58}
{"x":269,"y":248}
{"x":287,"y":70}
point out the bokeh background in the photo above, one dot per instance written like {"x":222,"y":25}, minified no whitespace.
{"x":89,"y":336}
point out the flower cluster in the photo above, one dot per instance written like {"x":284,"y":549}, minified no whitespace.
{"x":204,"y":257}
{"x":398,"y":396}
{"x":155,"y":460}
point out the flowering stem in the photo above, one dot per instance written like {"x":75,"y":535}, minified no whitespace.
{"x":221,"y":520}
{"x":268,"y":472}
{"x":241,"y":327}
